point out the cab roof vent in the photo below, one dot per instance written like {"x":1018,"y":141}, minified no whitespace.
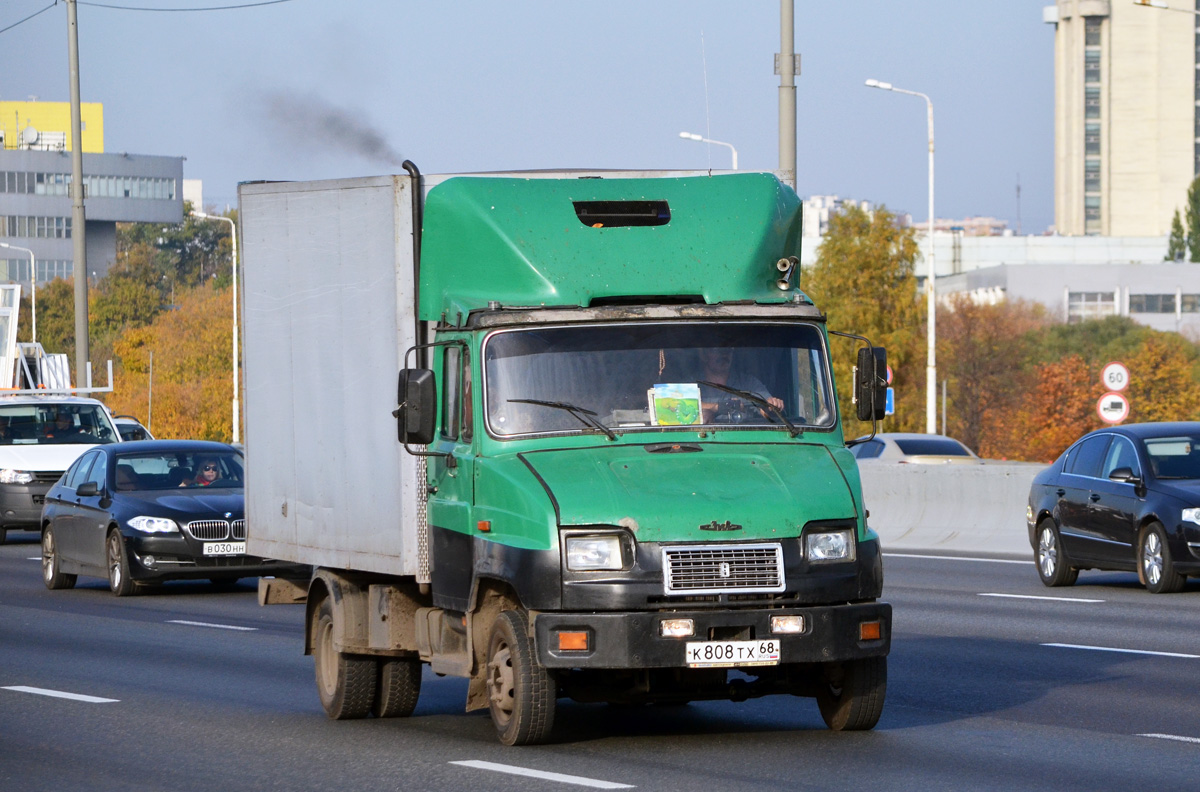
{"x":613,"y":214}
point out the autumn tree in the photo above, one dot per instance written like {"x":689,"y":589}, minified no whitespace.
{"x":1161,"y":384}
{"x":864,"y":281}
{"x":192,"y":380}
{"x":1193,"y":220}
{"x":984,"y":354}
{"x":1061,"y":408}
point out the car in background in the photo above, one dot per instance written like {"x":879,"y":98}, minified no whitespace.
{"x":41,"y":434}
{"x":131,"y":428}
{"x":1122,"y":498}
{"x":912,"y":448}
{"x":148,"y":511}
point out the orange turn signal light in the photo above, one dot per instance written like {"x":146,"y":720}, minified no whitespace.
{"x":484,"y":525}
{"x":870,"y":631}
{"x":573,"y":641}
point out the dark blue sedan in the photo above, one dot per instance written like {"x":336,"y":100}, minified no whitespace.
{"x":145,"y":512}
{"x":1125,"y":498}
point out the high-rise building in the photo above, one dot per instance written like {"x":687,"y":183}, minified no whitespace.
{"x":1126,"y":129}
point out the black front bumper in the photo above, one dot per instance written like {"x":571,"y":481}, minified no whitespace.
{"x":631,"y":639}
{"x":21,"y":504}
{"x":178,"y":557}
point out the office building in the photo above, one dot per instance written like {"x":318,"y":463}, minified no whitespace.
{"x":35,"y":205}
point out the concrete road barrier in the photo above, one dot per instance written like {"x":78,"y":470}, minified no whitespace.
{"x":956,"y":508}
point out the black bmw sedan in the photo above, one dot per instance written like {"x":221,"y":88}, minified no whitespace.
{"x":1124,"y":498}
{"x":149,"y":511}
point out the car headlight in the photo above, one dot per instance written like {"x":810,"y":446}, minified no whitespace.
{"x":830,"y":546}
{"x":10,"y":476}
{"x":594,"y":552}
{"x":154,"y":525}
{"x":1192,"y":516}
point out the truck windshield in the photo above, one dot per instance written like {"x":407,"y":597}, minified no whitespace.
{"x":55,"y":424}
{"x":629,"y":377}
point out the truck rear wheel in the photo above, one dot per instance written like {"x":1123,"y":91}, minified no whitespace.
{"x":398,"y":689}
{"x":522,"y":695}
{"x":851,"y":695}
{"x":345,"y":683}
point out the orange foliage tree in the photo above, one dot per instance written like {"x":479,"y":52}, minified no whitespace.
{"x":193,"y":379}
{"x":1061,"y":407}
{"x":1161,"y":384}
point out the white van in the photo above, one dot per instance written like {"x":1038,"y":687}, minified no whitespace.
{"x":40,"y":436}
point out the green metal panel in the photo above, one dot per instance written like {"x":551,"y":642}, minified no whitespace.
{"x":519,"y":241}
{"x":770,"y":489}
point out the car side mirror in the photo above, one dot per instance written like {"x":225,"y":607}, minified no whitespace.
{"x":1126,"y":475}
{"x":87,"y":489}
{"x":870,"y":384}
{"x":417,"y":413}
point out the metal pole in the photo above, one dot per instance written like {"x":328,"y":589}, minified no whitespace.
{"x":930,"y":291}
{"x":233,"y":236}
{"x":787,"y":93}
{"x":150,"y":397}
{"x":78,"y":219}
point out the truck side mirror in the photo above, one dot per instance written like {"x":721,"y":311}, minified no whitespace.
{"x":870,"y":395}
{"x":416,"y":415}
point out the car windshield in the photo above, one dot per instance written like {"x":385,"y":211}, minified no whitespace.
{"x":55,"y":424}
{"x":629,"y":377}
{"x":1174,"y":457}
{"x":174,"y":469}
{"x":932,"y":446}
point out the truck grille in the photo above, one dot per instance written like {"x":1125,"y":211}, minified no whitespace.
{"x":723,"y":568}
{"x":208,"y":530}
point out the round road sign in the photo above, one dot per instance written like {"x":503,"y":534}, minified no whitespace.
{"x":1113,"y":407}
{"x":1115,"y":376}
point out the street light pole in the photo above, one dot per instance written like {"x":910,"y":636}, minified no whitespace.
{"x":930,"y":292}
{"x":32,"y":287}
{"x":78,"y":219}
{"x":233,"y":235}
{"x":702,"y":139}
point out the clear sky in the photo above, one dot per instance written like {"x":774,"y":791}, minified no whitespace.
{"x":324,"y":88}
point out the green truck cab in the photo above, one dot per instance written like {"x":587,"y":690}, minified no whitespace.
{"x":621,"y":421}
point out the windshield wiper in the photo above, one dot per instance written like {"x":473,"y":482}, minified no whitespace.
{"x":585,"y":416}
{"x":755,"y":399}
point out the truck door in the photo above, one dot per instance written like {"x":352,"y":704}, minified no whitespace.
{"x":452,"y":484}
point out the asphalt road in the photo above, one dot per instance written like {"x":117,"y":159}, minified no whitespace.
{"x":988,"y":689}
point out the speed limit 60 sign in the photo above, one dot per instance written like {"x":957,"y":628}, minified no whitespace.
{"x":1115,"y":376}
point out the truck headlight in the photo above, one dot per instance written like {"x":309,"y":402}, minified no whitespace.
{"x":594,"y":553}
{"x":1192,"y":516}
{"x":10,"y":476}
{"x":154,"y":525}
{"x":830,"y":546}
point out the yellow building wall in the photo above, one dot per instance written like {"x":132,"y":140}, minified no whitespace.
{"x":53,"y":117}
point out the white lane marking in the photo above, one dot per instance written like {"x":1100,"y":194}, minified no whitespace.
{"x":61,"y":694}
{"x":959,"y":558}
{"x":1037,"y":597}
{"x":1123,"y":651}
{"x":206,"y":624}
{"x":523,"y":771}
{"x":1175,"y":737}
{"x":35,"y":558}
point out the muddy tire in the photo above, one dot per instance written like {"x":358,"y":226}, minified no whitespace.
{"x":522,"y":695}
{"x":398,"y":688}
{"x":851,"y":695}
{"x":345,"y":683}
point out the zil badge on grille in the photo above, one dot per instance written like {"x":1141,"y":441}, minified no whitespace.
{"x":725,"y":526}
{"x":725,"y":569}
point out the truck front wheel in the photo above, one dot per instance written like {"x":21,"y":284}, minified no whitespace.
{"x":346,"y":684}
{"x":521,"y":694}
{"x":851,"y":695}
